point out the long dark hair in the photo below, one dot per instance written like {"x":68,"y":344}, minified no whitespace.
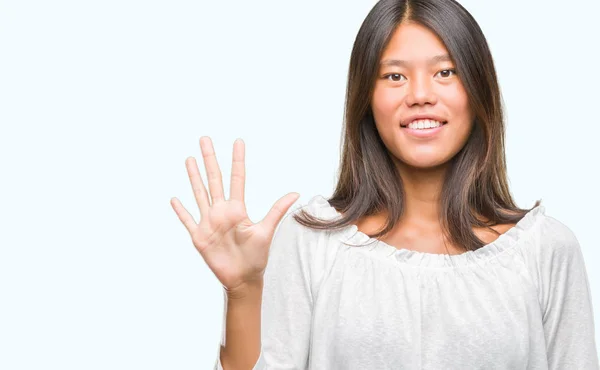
{"x":476,"y":181}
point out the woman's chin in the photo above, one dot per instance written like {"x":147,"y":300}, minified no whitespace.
{"x":424,"y":162}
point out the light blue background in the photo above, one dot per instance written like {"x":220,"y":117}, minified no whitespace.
{"x":102,"y":101}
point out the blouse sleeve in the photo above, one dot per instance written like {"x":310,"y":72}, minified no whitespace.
{"x":565,"y":297}
{"x":286,"y":312}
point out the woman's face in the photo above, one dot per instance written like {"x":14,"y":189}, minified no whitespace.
{"x":417,"y":84}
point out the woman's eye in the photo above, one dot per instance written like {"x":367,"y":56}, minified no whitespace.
{"x":447,"y":72}
{"x":395,"y":77}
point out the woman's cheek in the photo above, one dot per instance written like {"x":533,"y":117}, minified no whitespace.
{"x":388,"y":102}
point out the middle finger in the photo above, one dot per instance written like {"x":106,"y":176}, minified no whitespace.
{"x":213,"y":172}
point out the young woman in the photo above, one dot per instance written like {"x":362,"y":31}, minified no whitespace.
{"x":420,"y":259}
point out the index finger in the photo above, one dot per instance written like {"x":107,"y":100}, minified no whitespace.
{"x":238,"y":171}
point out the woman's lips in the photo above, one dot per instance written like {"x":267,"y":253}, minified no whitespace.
{"x":424,"y":132}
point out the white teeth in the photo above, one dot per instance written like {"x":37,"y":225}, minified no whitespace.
{"x":424,"y":123}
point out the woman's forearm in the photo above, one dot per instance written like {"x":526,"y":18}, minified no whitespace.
{"x":242,"y":328}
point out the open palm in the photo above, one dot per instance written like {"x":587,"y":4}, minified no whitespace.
{"x":234,"y":248}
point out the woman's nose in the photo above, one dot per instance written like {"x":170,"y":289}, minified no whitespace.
{"x":420,"y":91}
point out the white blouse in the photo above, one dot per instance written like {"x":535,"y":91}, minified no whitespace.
{"x":522,"y":301}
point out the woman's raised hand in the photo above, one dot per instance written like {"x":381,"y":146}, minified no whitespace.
{"x":234,"y":248}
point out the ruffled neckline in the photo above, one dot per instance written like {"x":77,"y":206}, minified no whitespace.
{"x":350,"y":235}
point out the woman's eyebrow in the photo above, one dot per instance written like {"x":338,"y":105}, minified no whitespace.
{"x":403,"y":63}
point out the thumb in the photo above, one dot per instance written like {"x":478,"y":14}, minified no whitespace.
{"x":279,"y":210}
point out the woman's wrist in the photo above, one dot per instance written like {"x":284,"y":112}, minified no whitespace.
{"x":246,"y":291}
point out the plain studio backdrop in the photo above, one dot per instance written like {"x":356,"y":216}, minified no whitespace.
{"x":102,"y":101}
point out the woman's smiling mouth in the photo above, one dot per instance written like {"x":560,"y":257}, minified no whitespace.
{"x":424,"y":128}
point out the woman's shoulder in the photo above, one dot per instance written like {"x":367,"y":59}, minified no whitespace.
{"x":550,"y":238}
{"x":317,"y":205}
{"x":556,"y":236}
